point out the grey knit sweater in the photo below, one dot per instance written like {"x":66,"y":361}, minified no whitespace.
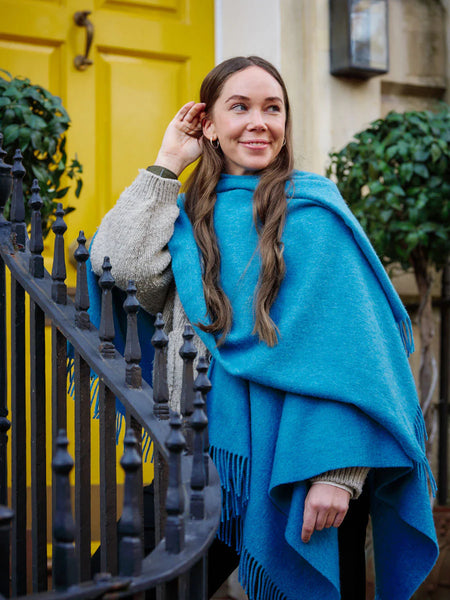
{"x":134,"y":234}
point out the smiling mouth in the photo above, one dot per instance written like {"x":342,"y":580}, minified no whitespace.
{"x":256,"y":144}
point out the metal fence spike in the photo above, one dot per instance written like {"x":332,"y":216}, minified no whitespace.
{"x":133,"y":372}
{"x":81,"y":255}
{"x":59,"y":288}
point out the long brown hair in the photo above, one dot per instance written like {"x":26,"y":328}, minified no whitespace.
{"x":269,"y":212}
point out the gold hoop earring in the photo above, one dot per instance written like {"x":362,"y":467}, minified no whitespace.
{"x":215,"y":146}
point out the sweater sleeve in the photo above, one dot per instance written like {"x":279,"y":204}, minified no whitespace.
{"x":351,"y":479}
{"x":135,"y":233}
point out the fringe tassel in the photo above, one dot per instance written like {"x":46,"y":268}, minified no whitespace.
{"x":231,"y":532}
{"x":119,"y":422}
{"x":420,"y":428}
{"x":423,"y":466}
{"x":71,"y":375}
{"x":147,"y":446}
{"x":406,"y":334}
{"x":424,"y":472}
{"x":234,"y":475}
{"x":255,"y":580}
{"x":95,"y":381}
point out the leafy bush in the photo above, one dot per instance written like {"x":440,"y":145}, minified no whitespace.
{"x":35,"y":121}
{"x":395,"y":175}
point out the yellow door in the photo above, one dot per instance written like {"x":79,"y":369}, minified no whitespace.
{"x":149,"y":57}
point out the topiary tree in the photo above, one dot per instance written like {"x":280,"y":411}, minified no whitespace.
{"x":395,"y":176}
{"x":35,"y":121}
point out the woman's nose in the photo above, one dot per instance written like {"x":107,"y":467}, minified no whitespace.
{"x":256,"y":120}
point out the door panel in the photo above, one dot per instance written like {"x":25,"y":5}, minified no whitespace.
{"x":130,"y":128}
{"x":41,"y":62}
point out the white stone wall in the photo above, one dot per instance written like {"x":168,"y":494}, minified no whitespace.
{"x":246,"y":27}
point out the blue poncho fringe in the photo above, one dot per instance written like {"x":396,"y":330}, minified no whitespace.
{"x":336,"y":391}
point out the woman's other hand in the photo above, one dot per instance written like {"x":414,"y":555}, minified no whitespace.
{"x":182,"y":143}
{"x":325,"y":506}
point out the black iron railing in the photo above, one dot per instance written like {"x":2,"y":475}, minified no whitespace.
{"x":187,"y":489}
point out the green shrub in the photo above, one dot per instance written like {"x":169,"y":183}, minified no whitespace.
{"x":395,"y":175}
{"x":35,"y":121}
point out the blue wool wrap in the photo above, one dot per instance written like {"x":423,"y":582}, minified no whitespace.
{"x":335,"y":392}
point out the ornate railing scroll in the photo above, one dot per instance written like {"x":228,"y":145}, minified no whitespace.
{"x":187,"y":516}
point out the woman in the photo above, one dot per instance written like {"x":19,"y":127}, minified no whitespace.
{"x":311,"y":385}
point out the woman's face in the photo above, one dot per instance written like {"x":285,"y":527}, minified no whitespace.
{"x":248,"y":119}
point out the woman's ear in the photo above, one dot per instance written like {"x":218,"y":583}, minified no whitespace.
{"x":209,"y":130}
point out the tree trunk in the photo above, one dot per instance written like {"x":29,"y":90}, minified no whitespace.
{"x":428,"y":368}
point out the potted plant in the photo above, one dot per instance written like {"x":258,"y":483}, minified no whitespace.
{"x":35,"y":121}
{"x":395,"y":175}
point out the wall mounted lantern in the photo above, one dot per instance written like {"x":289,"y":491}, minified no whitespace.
{"x":359,"y":45}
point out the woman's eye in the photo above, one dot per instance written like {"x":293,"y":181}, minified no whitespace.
{"x":239,"y":106}
{"x":274,"y":108}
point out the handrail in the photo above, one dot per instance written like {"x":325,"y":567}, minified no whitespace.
{"x":85,"y":341}
{"x":189,"y":530}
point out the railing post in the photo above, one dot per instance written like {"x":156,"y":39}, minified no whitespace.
{"x":188,"y":352}
{"x":38,"y":417}
{"x":36,"y":241}
{"x":133,"y":376}
{"x":199,"y":422}
{"x":59,"y":342}
{"x":203,"y":385}
{"x":160,"y":388}
{"x":59,"y":288}
{"x":17,"y":213}
{"x":174,"y":533}
{"x":107,"y":410}
{"x":130,"y":525}
{"x":64,"y":571}
{"x":198,"y":580}
{"x":161,"y":411}
{"x":82,"y":422}
{"x":18,"y":378}
{"x":106,"y":330}
{"x":108,"y":490}
{"x":18,"y":440}
{"x":81,"y":255}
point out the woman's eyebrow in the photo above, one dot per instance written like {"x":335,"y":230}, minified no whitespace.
{"x":246,"y":98}
{"x":237,"y":97}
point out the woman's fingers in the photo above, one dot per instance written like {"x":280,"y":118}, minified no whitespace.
{"x":309,"y":522}
{"x":338,"y":519}
{"x":325,"y":506}
{"x":185,"y":109}
{"x":182,"y":144}
{"x":190,"y":116}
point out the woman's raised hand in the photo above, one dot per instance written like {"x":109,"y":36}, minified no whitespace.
{"x":182,"y":143}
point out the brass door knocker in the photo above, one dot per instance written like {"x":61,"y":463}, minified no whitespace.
{"x":81,"y":61}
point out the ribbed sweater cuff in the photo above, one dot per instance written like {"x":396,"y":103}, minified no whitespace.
{"x":351,"y":479}
{"x":147,"y":186}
